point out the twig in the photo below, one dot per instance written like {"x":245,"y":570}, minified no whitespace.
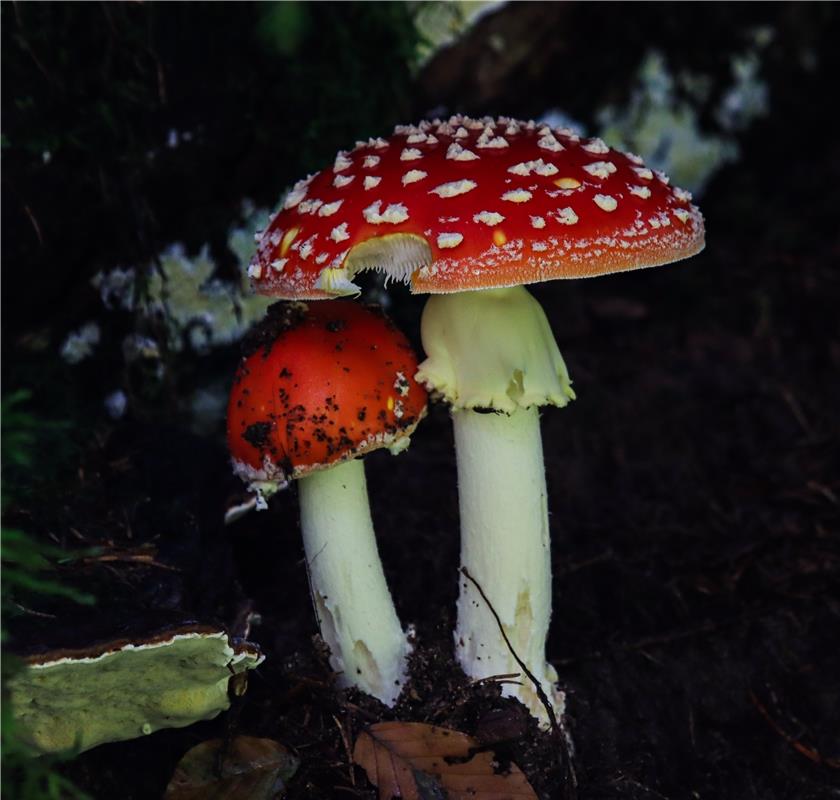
{"x":557,"y":731}
{"x":537,"y":685}
{"x":811,"y":753}
{"x":796,"y":409}
{"x":507,"y":677}
{"x":35,"y":224}
{"x":347,"y":749}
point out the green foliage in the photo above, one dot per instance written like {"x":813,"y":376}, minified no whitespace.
{"x":23,"y":435}
{"x":18,"y":429}
{"x":25,"y":561}
{"x":26,"y":567}
{"x":282,"y":27}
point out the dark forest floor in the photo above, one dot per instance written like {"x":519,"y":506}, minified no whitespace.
{"x":695,"y":499}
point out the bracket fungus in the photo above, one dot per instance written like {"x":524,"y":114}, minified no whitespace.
{"x":72,"y":700}
{"x":470,"y":210}
{"x":326,"y":384}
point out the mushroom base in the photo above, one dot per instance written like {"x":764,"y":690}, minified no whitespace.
{"x":505,"y":547}
{"x":356,"y":615}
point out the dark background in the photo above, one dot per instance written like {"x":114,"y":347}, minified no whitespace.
{"x":694,"y":484}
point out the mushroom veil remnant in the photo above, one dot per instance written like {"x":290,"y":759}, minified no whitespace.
{"x":470,"y":210}
{"x":324,"y":385}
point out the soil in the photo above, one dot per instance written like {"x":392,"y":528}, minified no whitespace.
{"x":695,"y":516}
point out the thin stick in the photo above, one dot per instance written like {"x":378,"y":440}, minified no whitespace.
{"x":556,"y":730}
{"x":540,"y":693}
{"x":811,"y":753}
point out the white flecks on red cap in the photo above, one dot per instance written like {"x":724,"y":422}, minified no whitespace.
{"x":600,"y":169}
{"x":446,"y":240}
{"x":339,"y":233}
{"x":605,"y":202}
{"x":596,"y":146}
{"x":517,"y":196}
{"x":328,"y":209}
{"x":342,"y":162}
{"x":489,"y":140}
{"x":538,"y":167}
{"x":393,"y":214}
{"x":297,"y":194}
{"x":458,"y":153}
{"x":306,"y":247}
{"x":309,"y":206}
{"x":497,"y":202}
{"x":454,"y":188}
{"x":412,"y":176}
{"x":567,"y":216}
{"x":569,"y":134}
{"x":489,"y":218}
{"x":549,"y":142}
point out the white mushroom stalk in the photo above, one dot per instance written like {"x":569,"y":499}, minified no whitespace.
{"x":356,"y":616}
{"x":492,"y":356}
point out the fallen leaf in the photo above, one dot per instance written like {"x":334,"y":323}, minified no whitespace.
{"x":415,"y":761}
{"x":248,"y":769}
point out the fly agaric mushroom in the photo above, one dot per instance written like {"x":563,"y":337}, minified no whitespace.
{"x":326,"y":384}
{"x":453,"y":207}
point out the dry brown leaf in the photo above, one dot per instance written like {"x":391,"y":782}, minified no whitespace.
{"x":415,"y":761}
{"x":247,"y":769}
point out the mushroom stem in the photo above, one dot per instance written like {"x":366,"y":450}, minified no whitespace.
{"x":356,"y":615}
{"x":505,"y":546}
{"x":491,"y":354}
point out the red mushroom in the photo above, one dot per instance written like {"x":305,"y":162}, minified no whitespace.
{"x":326,"y":384}
{"x":461,"y":205}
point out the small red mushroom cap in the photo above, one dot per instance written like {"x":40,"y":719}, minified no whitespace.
{"x":326,"y":383}
{"x":470,"y":204}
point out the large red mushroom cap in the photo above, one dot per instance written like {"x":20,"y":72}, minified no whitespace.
{"x":325,"y":383}
{"x":472,"y":204}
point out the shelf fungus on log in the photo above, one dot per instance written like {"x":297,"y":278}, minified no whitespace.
{"x":73,"y":700}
